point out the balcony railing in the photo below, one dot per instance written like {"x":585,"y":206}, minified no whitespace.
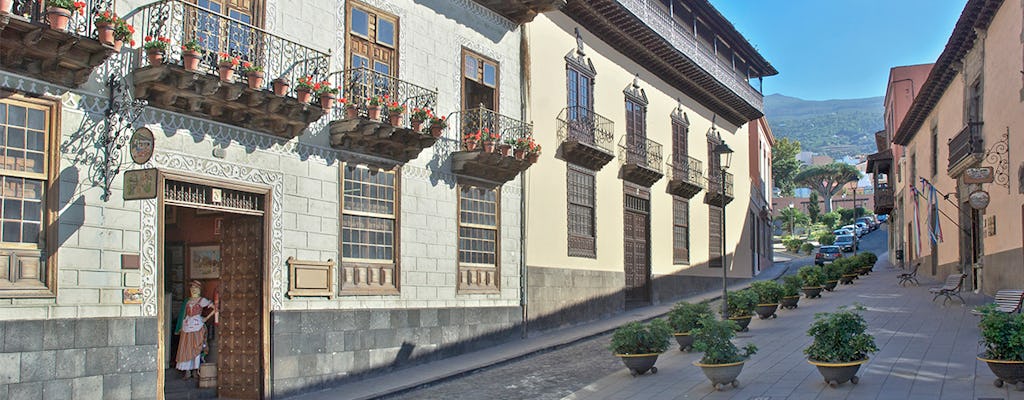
{"x":715,"y":184}
{"x":360,"y":85}
{"x":965,"y":144}
{"x":479,"y":163}
{"x":585,"y":126}
{"x":81,"y":25}
{"x":686,"y":169}
{"x":884,"y":200}
{"x":644,"y":153}
{"x":183,"y":22}
{"x":480,"y":118}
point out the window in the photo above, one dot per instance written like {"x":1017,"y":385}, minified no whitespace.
{"x":680,"y":231}
{"x":372,"y":40}
{"x":27,"y":172}
{"x":715,"y":237}
{"x":935,"y":151}
{"x":680,"y":149}
{"x":636,"y":132}
{"x":582,"y":232}
{"x":478,"y":239}
{"x":974,"y":102}
{"x":227,"y":26}
{"x":480,"y":81}
{"x":368,"y":229}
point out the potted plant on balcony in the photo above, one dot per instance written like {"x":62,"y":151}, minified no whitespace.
{"x":722,"y":361}
{"x":253,"y":75}
{"x":59,"y":12}
{"x":489,"y":139}
{"x":304,"y":88}
{"x":350,"y":109}
{"x":740,"y":305}
{"x":123,"y":32}
{"x":532,"y":151}
{"x":791,"y":291}
{"x":191,"y":53}
{"x":471,"y":138}
{"x":281,"y":86}
{"x":395,"y":112}
{"x":105,"y":23}
{"x":326,"y":94}
{"x":226,"y":64}
{"x":155,"y":48}
{"x":417,"y":116}
{"x":437,"y":124}
{"x":812,"y":278}
{"x":769,"y":293}
{"x":5,"y":6}
{"x":840,"y":345}
{"x":638,"y":344}
{"x":373,"y":105}
{"x":1002,"y":334}
{"x":683,"y":319}
{"x":520,"y":147}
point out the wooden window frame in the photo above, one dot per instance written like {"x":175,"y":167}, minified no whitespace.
{"x":349,"y":5}
{"x":462,"y":79}
{"x":715,"y":259}
{"x":460,"y":283}
{"x":396,"y":260}
{"x":50,"y":202}
{"x":575,"y":242}
{"x":680,"y":251}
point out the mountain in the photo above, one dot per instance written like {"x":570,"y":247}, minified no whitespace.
{"x":833,"y":127}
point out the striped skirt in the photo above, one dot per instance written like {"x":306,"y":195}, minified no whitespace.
{"x":190,"y":344}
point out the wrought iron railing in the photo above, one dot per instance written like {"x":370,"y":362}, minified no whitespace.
{"x":480,"y":118}
{"x":686,"y":169}
{"x":183,"y":22}
{"x":360,"y":85}
{"x":80,"y":24}
{"x":715,"y":183}
{"x":585,"y":126}
{"x":966,"y":143}
{"x":643,"y":152}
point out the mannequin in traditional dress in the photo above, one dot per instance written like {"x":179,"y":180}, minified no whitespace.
{"x":191,"y":329}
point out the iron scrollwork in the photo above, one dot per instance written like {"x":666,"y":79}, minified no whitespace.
{"x":998,"y":155}
{"x":122,"y":112}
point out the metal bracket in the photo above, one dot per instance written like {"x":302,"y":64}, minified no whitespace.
{"x":122,"y":112}
{"x":998,"y":155}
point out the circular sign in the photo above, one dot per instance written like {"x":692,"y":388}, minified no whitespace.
{"x":978,"y":199}
{"x":141,"y":145}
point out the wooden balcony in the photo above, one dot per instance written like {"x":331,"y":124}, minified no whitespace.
{"x":686,"y":177}
{"x":641,"y":161}
{"x":884,"y":200}
{"x":521,"y":11}
{"x":967,"y":148}
{"x":29,"y":47}
{"x":202,"y":93}
{"x":586,"y":138}
{"x":714,"y":196}
{"x":488,"y":166}
{"x":352,"y":128}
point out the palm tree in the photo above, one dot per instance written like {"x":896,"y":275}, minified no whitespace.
{"x":828,"y":179}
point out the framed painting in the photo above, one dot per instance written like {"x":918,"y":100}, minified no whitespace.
{"x":204,"y":262}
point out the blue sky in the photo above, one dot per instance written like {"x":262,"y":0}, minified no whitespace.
{"x":841,"y":49}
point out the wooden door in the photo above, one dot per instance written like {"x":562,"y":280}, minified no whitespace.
{"x":637,"y":265}
{"x":240,"y":335}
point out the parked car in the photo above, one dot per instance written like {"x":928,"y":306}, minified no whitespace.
{"x":840,"y":232}
{"x":865,"y":227}
{"x":845,"y":242}
{"x":869,"y":221}
{"x":883,"y":218}
{"x":827,"y":254}
{"x":856,"y":230}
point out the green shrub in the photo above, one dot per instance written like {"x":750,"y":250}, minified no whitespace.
{"x":807,"y":248}
{"x":829,"y":219}
{"x":847,"y":265}
{"x":839,"y":337}
{"x":684,"y":316}
{"x":741,"y":303}
{"x":1002,"y":334}
{"x":640,"y":338}
{"x":811,"y":276}
{"x":791,"y":285}
{"x":713,"y":337}
{"x":832,"y":272}
{"x":793,"y":244}
{"x":827,"y":239}
{"x":868,"y":258}
{"x":768,"y":292}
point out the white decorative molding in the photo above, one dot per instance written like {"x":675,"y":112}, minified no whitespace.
{"x":485,"y":13}
{"x":271,"y":10}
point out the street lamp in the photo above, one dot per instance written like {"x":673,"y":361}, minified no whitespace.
{"x":724,"y":154}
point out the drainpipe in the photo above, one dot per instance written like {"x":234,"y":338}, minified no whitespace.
{"x":524,"y":96}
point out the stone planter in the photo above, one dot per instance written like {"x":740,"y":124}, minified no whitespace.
{"x":812,"y":292}
{"x":685,"y":341}
{"x":639,"y":364}
{"x":1011,"y":372}
{"x":847,"y":279}
{"x":838,"y":373}
{"x":721,"y":375}
{"x":765,"y":311}
{"x":790,"y":302}
{"x":743,"y":322}
{"x":831,"y":285}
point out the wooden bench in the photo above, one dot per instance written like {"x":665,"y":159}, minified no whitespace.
{"x":954,"y":284}
{"x":1007,"y":301}
{"x":908,"y":277}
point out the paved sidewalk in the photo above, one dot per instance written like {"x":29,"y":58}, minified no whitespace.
{"x":412,"y":377}
{"x":927,"y":352}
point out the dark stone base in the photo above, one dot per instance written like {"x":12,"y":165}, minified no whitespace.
{"x":1002,"y":270}
{"x":559,"y":297}
{"x":79,"y":358}
{"x":669,"y":288}
{"x":312,"y":350}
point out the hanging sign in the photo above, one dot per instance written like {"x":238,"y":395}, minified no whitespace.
{"x":979,"y":175}
{"x":140,"y":184}
{"x":141,"y":145}
{"x":978,"y":199}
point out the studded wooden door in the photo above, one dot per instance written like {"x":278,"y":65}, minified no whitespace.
{"x":637,"y":265}
{"x":241,"y":305}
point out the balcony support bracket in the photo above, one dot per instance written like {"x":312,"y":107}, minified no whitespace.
{"x":378,"y":139}
{"x":998,"y":156}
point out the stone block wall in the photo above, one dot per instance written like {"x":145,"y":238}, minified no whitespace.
{"x":558,"y":297}
{"x":78,"y":358}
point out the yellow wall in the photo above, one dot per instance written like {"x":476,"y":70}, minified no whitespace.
{"x":551,"y":37}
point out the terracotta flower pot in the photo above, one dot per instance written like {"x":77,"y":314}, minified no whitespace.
{"x":303,"y":95}
{"x":351,"y":112}
{"x":470,"y":145}
{"x":190,"y":59}
{"x":327,"y":101}
{"x":373,"y":112}
{"x":520,"y":154}
{"x":104,"y":32}
{"x":488,"y":146}
{"x":255,"y":80}
{"x":281,"y":87}
{"x":417,"y":125}
{"x":533,"y":157}
{"x":395,"y":119}
{"x":504,"y":150}
{"x":226,"y":71}
{"x":155,"y":57}
{"x":435,"y":131}
{"x":6,"y":5}
{"x":58,"y":18}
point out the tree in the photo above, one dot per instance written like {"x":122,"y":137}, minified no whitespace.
{"x":830,"y":219}
{"x":785,"y":165}
{"x":827,"y":179}
{"x":812,"y":207}
{"x":792,"y":217}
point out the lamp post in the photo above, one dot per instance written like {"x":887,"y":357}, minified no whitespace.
{"x":724,"y":154}
{"x":855,"y":237}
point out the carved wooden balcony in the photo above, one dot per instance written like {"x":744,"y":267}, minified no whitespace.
{"x":884,"y":200}
{"x":686,"y":176}
{"x":714,"y":196}
{"x":641,"y":161}
{"x":354,"y":129}
{"x":489,"y":166}
{"x":521,"y":11}
{"x":586,"y":138}
{"x":202,"y":93}
{"x":28,"y":46}
{"x":967,"y":148}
